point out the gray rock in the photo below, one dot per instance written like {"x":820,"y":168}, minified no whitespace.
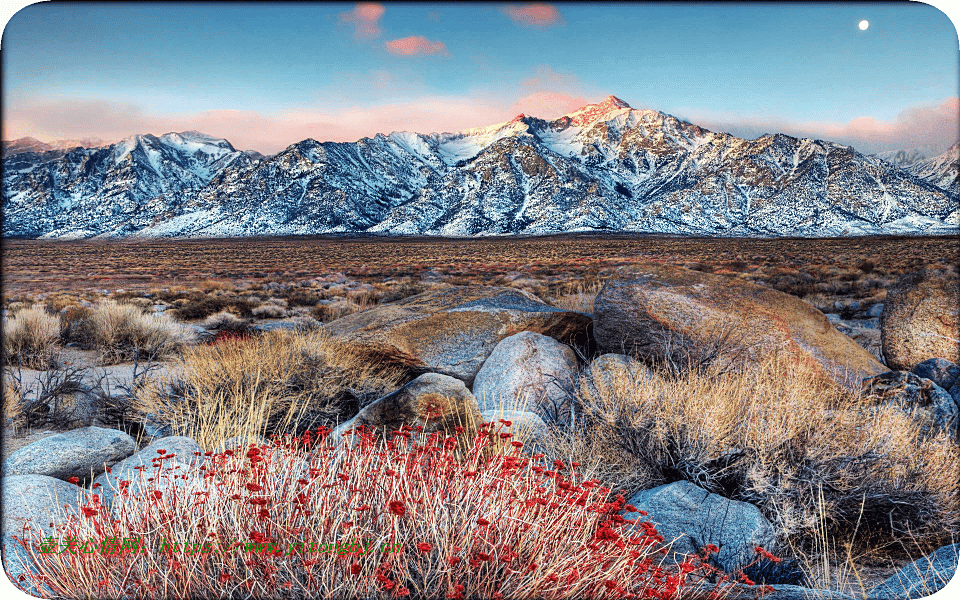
{"x":81,"y":453}
{"x":930,"y":404}
{"x":920,"y":578}
{"x":531,"y":372}
{"x":36,"y":501}
{"x":783,"y":592}
{"x":18,"y":566}
{"x":181,"y":460}
{"x":875,"y":311}
{"x":955,"y":392}
{"x":202,"y":334}
{"x":938,"y":370}
{"x":694,"y":517}
{"x":833,"y":317}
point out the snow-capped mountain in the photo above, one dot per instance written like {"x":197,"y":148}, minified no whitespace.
{"x":604,"y":167}
{"x":902,"y":158}
{"x":942,"y":171}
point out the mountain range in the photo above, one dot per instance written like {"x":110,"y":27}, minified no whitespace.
{"x":604,"y":167}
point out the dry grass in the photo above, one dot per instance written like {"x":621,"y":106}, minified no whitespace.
{"x":281,"y":382}
{"x":30,"y":338}
{"x":123,"y":332}
{"x":797,"y":448}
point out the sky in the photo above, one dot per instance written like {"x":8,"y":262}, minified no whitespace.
{"x":265,"y":76}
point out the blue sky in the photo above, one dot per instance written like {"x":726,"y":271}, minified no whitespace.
{"x":268,"y":75}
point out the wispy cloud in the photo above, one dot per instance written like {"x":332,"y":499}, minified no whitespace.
{"x":365,"y":17}
{"x":933,"y":128}
{"x":535,"y":15}
{"x":416,"y":44}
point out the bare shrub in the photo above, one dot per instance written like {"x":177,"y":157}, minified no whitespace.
{"x":224,"y":321}
{"x":280,"y":382}
{"x":55,"y":401}
{"x":269,"y":311}
{"x":30,"y":338}
{"x":121,"y":332}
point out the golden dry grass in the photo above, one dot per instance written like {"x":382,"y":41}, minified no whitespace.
{"x":778,"y":438}
{"x":123,"y":332}
{"x":282,"y":382}
{"x":30,"y":338}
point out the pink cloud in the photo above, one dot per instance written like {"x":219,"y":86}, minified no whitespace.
{"x":548,"y":105}
{"x":365,"y":16}
{"x":535,"y":15}
{"x":416,"y":44}
{"x":933,"y":128}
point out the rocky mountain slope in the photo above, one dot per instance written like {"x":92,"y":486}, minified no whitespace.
{"x":942,"y":171}
{"x":604,"y":167}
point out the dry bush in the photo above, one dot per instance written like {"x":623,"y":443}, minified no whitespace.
{"x":269,"y":311}
{"x":577,"y":296}
{"x":401,"y":291}
{"x":121,"y":332}
{"x":336,"y":309}
{"x":199,"y":305}
{"x":281,"y":382}
{"x":224,"y":321}
{"x":802,"y":450}
{"x":30,"y":338}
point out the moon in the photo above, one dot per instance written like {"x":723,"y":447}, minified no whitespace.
{"x":863,"y":25}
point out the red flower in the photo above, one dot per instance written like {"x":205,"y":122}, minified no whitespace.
{"x":454,"y":561}
{"x":402,"y":591}
{"x":161,"y":451}
{"x":157,"y":494}
{"x":424,"y":547}
{"x":482,"y":522}
{"x":225,"y":577}
{"x":254,"y":487}
{"x":397,"y":508}
{"x":90,"y":512}
{"x":74,"y":480}
{"x":355,"y":569}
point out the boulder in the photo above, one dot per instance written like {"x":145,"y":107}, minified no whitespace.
{"x":930,"y":404}
{"x":81,"y":453}
{"x":180,"y":459}
{"x":694,"y":518}
{"x":529,"y":372}
{"x":875,"y":310}
{"x":36,"y":501}
{"x":921,"y":319}
{"x":527,"y":427}
{"x":453,"y":330}
{"x":664,"y":313}
{"x":607,"y":369}
{"x":938,"y":370}
{"x":432,"y":400}
{"x":920,"y":578}
{"x":43,"y":505}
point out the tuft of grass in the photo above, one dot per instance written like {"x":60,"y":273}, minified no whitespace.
{"x":30,"y":338}
{"x":281,"y":382}
{"x":774,"y":437}
{"x":224,"y":321}
{"x":123,"y":332}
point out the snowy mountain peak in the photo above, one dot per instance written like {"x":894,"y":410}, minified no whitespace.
{"x":592,"y":113}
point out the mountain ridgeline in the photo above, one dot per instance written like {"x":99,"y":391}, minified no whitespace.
{"x":605,"y":167}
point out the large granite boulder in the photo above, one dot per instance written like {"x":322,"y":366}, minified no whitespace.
{"x":433,"y":400}
{"x":35,"y":507}
{"x":453,"y":330}
{"x":81,"y":453}
{"x":921,"y":320}
{"x":920,"y":578}
{"x":660,"y":312}
{"x":694,"y":518}
{"x":929,"y":404}
{"x":528,"y":372}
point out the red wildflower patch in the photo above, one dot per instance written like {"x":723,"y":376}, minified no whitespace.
{"x":397,"y":508}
